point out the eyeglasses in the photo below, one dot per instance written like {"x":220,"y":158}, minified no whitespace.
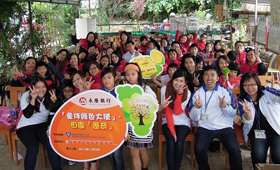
{"x":68,"y":91}
{"x":204,"y":37}
{"x":249,"y":85}
{"x":239,"y":45}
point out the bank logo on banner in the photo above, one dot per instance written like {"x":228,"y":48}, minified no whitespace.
{"x":89,"y":126}
{"x":83,"y":101}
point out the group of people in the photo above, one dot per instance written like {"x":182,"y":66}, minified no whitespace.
{"x":191,"y":91}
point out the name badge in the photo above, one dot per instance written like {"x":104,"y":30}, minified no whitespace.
{"x":260,"y":134}
{"x":204,"y":117}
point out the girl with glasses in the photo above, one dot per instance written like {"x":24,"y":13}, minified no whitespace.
{"x":259,"y":110}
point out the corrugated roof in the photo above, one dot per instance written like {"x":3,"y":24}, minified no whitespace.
{"x":70,"y":2}
{"x":260,"y":2}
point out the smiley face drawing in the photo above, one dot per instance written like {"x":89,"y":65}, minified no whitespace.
{"x":150,"y":64}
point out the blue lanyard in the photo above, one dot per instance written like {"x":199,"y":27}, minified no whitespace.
{"x":206,"y":104}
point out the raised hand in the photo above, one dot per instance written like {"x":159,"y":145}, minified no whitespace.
{"x":98,"y":56}
{"x":49,"y":53}
{"x":137,"y":53}
{"x":278,"y":82}
{"x":147,"y":35}
{"x":224,"y":80}
{"x":179,"y":51}
{"x":79,"y":43}
{"x":258,"y":59}
{"x":181,"y":89}
{"x":89,"y":83}
{"x":139,"y":50}
{"x":226,"y":50}
{"x":162,"y":49}
{"x":197,"y":102}
{"x":46,"y":60}
{"x":126,"y":138}
{"x":246,"y":107}
{"x":223,"y":103}
{"x":190,"y":36}
{"x":195,"y":79}
{"x":74,"y":32}
{"x":20,"y":74}
{"x":53,"y":96}
{"x":118,"y":44}
{"x":166,"y":102}
{"x":257,"y":49}
{"x":15,"y":73}
{"x":154,"y":77}
{"x":33,"y":92}
{"x":230,"y":86}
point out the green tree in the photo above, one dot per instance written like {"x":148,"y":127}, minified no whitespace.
{"x":12,"y":42}
{"x":57,"y":21}
{"x":162,"y":8}
{"x":52,"y":25}
{"x":140,"y":111}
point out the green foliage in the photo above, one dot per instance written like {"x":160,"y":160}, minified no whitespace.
{"x":10,"y":36}
{"x":52,"y":26}
{"x":57,"y":21}
{"x":200,"y":13}
{"x":162,"y":8}
{"x":240,"y":35}
{"x":236,"y":5}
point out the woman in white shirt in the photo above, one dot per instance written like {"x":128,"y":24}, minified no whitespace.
{"x":33,"y":123}
{"x":259,"y":110}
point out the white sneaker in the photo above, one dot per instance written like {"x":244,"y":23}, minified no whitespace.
{"x":71,"y":163}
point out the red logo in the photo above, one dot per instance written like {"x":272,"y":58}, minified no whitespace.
{"x":83,"y":101}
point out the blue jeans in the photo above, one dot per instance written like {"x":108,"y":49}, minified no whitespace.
{"x":227,"y":136}
{"x":259,"y":149}
{"x":116,"y":159}
{"x":31,"y":139}
{"x":175,"y":150}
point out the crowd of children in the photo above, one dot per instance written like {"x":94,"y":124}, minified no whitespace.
{"x":191,"y":89}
